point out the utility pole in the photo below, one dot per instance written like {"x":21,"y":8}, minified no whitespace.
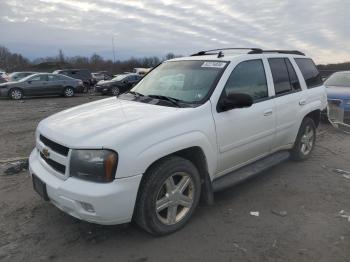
{"x":113,"y":48}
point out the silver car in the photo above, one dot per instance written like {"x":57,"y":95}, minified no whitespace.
{"x":41,"y":84}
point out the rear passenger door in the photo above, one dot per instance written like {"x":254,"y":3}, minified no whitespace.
{"x":55,"y":84}
{"x":288,"y":100}
{"x":245,"y":134}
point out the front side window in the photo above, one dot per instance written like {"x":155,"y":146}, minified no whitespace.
{"x":39,"y":78}
{"x":185,"y":81}
{"x":249,"y":78}
{"x":310,"y":73}
{"x":284,"y":77}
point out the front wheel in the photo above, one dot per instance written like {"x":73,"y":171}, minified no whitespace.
{"x":305,"y":141}
{"x":16,"y":94}
{"x":115,"y":91}
{"x":68,"y":92}
{"x":168,"y":196}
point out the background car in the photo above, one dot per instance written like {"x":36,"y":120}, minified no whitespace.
{"x":41,"y":84}
{"x":338,"y":95}
{"x":16,"y":76}
{"x":82,"y":74}
{"x":102,"y":75}
{"x":118,"y":85}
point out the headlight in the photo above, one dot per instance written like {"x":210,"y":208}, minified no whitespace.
{"x":94,"y":165}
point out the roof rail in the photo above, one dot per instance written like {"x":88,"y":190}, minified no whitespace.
{"x":253,"y":50}
{"x":220,"y":53}
{"x":292,"y":52}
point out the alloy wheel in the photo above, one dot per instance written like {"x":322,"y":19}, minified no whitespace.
{"x":16,"y":94}
{"x":307,"y":140}
{"x":175,"y":198}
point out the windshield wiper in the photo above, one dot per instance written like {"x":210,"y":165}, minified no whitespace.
{"x":135,"y":93}
{"x":172,"y":100}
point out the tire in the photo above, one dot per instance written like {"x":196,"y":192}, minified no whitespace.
{"x":115,"y":91}
{"x":16,"y":94}
{"x":68,"y":92}
{"x":174,"y":210}
{"x":305,"y":141}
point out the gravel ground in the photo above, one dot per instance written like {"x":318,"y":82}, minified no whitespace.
{"x":299,"y":207}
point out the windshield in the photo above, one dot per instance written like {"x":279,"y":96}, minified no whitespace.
{"x":118,"y":78}
{"x":339,"y":79}
{"x":186,"y":81}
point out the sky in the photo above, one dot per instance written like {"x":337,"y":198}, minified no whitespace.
{"x":39,"y":28}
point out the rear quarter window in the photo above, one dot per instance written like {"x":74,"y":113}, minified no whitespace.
{"x":309,"y":71}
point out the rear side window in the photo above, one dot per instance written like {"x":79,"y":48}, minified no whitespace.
{"x":310,"y":73}
{"x":284,"y":77}
{"x":248,"y":77}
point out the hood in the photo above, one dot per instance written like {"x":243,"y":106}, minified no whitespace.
{"x":336,"y":92}
{"x":91,"y":124}
{"x":9,"y":83}
{"x":107,"y":82}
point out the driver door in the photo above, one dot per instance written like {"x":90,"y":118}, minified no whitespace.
{"x":37,"y":85}
{"x":245,"y":134}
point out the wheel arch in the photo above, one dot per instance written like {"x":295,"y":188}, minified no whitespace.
{"x":315,"y":115}
{"x":196,"y":155}
{"x":15,"y":87}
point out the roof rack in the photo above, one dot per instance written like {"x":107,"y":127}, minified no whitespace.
{"x":253,"y":50}
{"x":291,"y":52}
{"x":221,"y":54}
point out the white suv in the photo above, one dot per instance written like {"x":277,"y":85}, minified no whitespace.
{"x":190,"y":127}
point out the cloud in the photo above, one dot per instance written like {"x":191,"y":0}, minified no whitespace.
{"x":149,"y":27}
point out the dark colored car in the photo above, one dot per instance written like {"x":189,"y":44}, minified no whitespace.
{"x":338,"y":95}
{"x":16,"y":76}
{"x":41,"y":84}
{"x":118,"y":85}
{"x":82,"y":74}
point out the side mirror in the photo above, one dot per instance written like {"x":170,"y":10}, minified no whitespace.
{"x":234,"y":101}
{"x":30,"y":81}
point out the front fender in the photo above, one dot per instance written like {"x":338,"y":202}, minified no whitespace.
{"x":154,"y":152}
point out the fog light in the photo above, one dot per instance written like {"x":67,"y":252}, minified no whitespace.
{"x":87,"y":207}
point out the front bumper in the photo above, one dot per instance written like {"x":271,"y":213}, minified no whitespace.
{"x":113,"y":203}
{"x":4,"y":92}
{"x":102,"y":89}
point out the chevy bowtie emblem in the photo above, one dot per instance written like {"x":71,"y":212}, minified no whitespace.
{"x":46,"y":153}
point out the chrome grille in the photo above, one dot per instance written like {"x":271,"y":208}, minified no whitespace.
{"x":53,"y":155}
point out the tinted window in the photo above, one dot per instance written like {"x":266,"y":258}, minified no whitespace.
{"x":248,"y":77}
{"x":280,"y":75}
{"x":284,"y":77}
{"x":308,"y":69}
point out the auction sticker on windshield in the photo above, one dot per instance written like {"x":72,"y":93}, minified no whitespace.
{"x":214,"y":64}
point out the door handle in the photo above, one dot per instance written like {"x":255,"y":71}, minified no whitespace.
{"x":268,"y":112}
{"x":302,"y":102}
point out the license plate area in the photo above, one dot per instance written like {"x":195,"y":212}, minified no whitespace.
{"x":40,"y":187}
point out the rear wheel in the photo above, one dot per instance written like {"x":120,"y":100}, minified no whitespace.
{"x":168,"y":196}
{"x":68,"y":92}
{"x":16,"y":94}
{"x":305,"y":141}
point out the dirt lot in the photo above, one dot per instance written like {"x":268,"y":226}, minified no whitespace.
{"x":312,"y":193}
